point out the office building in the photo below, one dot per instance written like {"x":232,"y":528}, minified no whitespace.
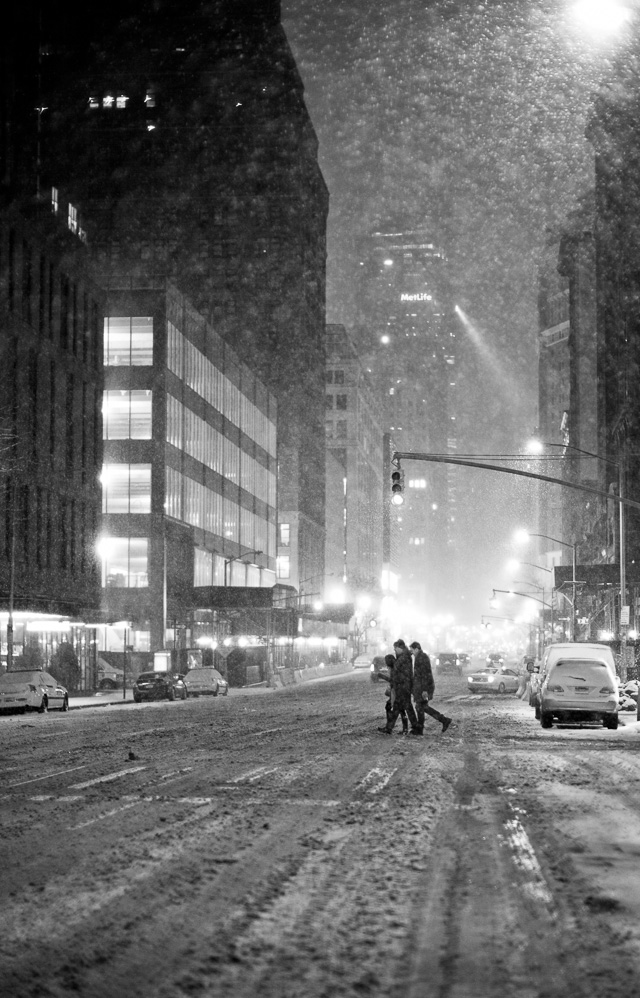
{"x":189,"y":473}
{"x":407,"y":337}
{"x":50,"y":437}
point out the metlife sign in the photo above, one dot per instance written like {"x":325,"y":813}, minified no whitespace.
{"x":421,"y":296}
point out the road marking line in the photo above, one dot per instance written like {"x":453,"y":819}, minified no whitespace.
{"x":107,"y":778}
{"x":101,"y":817}
{"x":375,"y":780}
{"x":61,"y":772}
{"x":253,"y":774}
{"x":176,"y":772}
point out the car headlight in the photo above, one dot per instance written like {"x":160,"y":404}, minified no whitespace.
{"x":490,"y":679}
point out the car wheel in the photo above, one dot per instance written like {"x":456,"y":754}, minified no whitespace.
{"x":44,"y":706}
{"x":65,"y":704}
{"x":546,"y":719}
{"x":171,"y":693}
{"x":502,"y":688}
{"x":611,"y":722}
{"x":137,"y":698}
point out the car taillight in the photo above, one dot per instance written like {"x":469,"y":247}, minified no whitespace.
{"x":555,"y":689}
{"x":607,"y":689}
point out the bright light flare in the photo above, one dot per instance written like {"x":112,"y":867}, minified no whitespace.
{"x":522,"y":536}
{"x":601,"y":18}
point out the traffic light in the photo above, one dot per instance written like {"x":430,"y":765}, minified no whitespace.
{"x":397,"y":487}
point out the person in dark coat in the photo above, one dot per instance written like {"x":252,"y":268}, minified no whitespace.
{"x":424,"y":687}
{"x":390,"y":661}
{"x":402,"y":678}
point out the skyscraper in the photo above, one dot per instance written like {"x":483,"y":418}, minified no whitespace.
{"x":406,"y":334}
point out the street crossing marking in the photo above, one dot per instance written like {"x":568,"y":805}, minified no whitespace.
{"x":107,"y":778}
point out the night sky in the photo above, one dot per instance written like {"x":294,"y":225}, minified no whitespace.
{"x":472,"y":116}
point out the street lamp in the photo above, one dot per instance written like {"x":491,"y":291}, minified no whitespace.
{"x":237,"y":557}
{"x":524,"y":535}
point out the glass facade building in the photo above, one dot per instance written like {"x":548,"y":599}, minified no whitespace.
{"x":189,"y":472}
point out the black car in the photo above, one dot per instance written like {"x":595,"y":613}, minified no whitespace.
{"x":159,"y":686}
{"x":447,"y":663}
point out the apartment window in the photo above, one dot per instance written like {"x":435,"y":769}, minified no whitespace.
{"x":285,"y":534}
{"x":124,"y":562}
{"x":128,"y":341}
{"x":283,"y":566}
{"x":126,"y":415}
{"x":341,"y":401}
{"x":338,"y":377}
{"x":126,"y":488}
{"x":341,"y":428}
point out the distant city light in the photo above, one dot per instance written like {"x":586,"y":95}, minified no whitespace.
{"x":388,"y":263}
{"x":385,"y":339}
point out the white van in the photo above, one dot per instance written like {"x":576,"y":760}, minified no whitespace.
{"x":566,"y":649}
{"x":579,"y":689}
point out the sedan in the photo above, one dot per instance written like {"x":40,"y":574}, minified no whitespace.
{"x":494,"y":681}
{"x":159,"y":686}
{"x":206,"y":682}
{"x":32,"y":689}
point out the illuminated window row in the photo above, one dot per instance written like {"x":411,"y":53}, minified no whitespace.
{"x":188,"y":432}
{"x":203,"y":377}
{"x":194,"y":503}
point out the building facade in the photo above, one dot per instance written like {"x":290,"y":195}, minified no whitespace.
{"x":354,"y":457}
{"x":50,"y":436}
{"x":189,"y":473}
{"x":181,"y":131}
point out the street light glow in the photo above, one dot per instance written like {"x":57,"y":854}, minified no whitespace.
{"x":601,"y":17}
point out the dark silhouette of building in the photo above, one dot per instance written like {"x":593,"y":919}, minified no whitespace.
{"x":180,"y":130}
{"x":50,"y":433}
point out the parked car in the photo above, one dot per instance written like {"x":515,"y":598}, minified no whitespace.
{"x":159,"y":686}
{"x":361,"y":662}
{"x":565,"y":649}
{"x":579,"y":689}
{"x":32,"y":689}
{"x":447,"y":663}
{"x":206,"y":681}
{"x":492,"y":680}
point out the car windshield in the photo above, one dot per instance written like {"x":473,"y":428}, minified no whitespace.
{"x":148,"y":677}
{"x":202,"y":675}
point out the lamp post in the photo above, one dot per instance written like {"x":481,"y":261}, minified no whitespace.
{"x":237,"y":557}
{"x":573,"y":546}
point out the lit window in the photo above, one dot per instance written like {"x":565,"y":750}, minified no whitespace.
{"x":108,"y":100}
{"x":128,"y":341}
{"x":150,"y":99}
{"x":94,"y":102}
{"x":72,"y":218}
{"x":126,"y":415}
{"x":121,"y":100}
{"x":126,"y":488}
{"x":285,"y":534}
{"x":124,"y":562}
{"x":55,"y":204}
{"x":283,"y":566}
